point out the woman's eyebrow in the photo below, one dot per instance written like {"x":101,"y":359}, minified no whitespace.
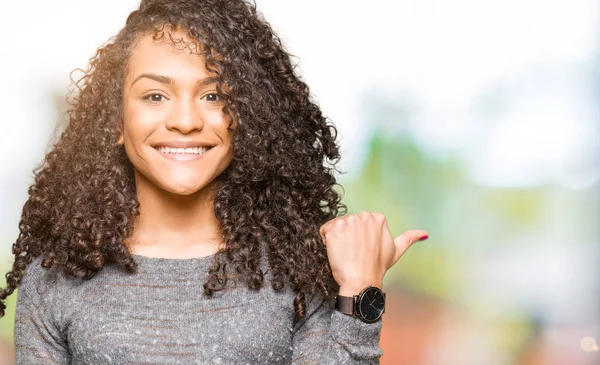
{"x":155,"y":77}
{"x":170,"y":81}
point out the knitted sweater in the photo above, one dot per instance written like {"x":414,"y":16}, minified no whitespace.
{"x":161,"y":315}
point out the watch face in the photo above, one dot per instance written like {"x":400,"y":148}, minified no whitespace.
{"x":370,"y":305}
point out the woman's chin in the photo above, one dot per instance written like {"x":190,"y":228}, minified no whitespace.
{"x":180,"y":182}
{"x":183,"y":189}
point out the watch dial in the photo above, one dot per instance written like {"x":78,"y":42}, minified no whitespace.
{"x":371,"y":304}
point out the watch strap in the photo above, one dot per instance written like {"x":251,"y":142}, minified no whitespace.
{"x":346,"y":305}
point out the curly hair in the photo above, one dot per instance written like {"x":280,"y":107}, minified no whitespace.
{"x":276,"y":193}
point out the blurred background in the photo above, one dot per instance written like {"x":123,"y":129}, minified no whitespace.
{"x":478,"y":121}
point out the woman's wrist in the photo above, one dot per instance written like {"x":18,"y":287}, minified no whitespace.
{"x":352,"y":289}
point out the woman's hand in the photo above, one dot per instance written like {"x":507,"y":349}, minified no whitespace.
{"x":361,"y":249}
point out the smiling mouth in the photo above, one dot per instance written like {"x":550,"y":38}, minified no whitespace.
{"x":182,"y":151}
{"x":181,"y":154}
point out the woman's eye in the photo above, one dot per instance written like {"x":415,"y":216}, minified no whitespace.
{"x":154,"y":98}
{"x":212,"y":97}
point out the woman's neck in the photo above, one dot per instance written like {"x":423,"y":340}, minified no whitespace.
{"x":171,"y":225}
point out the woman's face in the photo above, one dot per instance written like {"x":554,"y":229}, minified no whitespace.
{"x":174,"y":131}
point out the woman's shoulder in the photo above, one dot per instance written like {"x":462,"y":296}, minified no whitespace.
{"x":44,"y":285}
{"x":39,"y":283}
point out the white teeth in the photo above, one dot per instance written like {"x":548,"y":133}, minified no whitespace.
{"x":189,"y":150}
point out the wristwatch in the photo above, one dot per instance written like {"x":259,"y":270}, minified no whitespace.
{"x":368,"y":306}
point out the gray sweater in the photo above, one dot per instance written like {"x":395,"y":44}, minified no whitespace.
{"x":162,"y":316}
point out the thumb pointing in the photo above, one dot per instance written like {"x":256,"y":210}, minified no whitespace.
{"x":406,"y":239}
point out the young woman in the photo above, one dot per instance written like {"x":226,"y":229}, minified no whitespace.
{"x":187,"y":214}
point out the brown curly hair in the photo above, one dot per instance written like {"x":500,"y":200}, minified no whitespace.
{"x":276,"y":193}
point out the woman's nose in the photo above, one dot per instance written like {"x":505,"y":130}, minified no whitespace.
{"x":186,"y":116}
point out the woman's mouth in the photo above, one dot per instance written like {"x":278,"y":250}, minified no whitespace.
{"x":182,"y":154}
{"x":189,"y":150}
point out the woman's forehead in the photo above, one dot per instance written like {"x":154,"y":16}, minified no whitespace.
{"x":175,"y":55}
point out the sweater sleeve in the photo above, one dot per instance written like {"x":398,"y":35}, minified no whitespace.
{"x":37,"y":338}
{"x":326,"y":336}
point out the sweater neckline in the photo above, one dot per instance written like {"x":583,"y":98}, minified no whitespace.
{"x":167,"y":263}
